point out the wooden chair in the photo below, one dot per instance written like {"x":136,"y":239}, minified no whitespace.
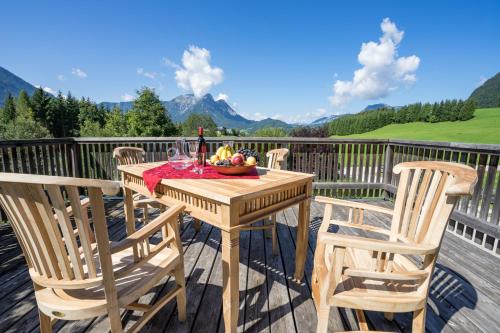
{"x":276,"y":159}
{"x":76,"y":271}
{"x":391,"y":275}
{"x":134,"y":155}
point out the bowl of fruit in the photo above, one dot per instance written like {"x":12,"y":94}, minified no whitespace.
{"x":227,"y":162}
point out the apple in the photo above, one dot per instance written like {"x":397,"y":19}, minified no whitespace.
{"x":237,"y":159}
{"x":251,"y":160}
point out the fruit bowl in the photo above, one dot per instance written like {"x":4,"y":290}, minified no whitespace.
{"x":233,"y":169}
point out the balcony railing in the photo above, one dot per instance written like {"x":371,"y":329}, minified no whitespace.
{"x":342,"y":168}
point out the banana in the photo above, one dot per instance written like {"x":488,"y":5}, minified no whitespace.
{"x":219,"y":151}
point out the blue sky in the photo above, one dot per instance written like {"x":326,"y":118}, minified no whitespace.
{"x":270,"y":58}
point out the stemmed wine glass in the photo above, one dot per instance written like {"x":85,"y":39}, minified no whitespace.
{"x":193,"y":151}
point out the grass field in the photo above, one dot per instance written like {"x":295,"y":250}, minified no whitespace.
{"x":483,"y":128}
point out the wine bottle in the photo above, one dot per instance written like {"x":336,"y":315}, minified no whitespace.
{"x":202,"y":148}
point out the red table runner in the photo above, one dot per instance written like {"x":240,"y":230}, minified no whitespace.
{"x":154,"y":176}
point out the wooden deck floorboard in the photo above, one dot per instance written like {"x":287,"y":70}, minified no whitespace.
{"x":464,"y":295}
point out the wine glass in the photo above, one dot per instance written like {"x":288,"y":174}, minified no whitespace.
{"x":193,"y":152}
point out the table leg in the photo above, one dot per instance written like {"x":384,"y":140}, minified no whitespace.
{"x":302,"y":238}
{"x":128,"y":202}
{"x":230,"y":278}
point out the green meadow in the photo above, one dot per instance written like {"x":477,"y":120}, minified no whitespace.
{"x":483,"y":128}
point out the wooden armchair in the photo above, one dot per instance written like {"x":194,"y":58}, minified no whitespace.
{"x":276,"y":159}
{"x":384,"y":275}
{"x":134,"y":155}
{"x":76,"y":271}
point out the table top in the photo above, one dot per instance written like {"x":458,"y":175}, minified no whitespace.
{"x":227,"y":190}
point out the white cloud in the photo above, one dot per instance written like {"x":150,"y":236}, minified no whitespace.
{"x":79,"y":73}
{"x":151,"y":75}
{"x":61,"y":77}
{"x":196,"y":73}
{"x":222,"y":96}
{"x":382,"y":72}
{"x":170,"y":63}
{"x":47,"y":90}
{"x":127,"y":98}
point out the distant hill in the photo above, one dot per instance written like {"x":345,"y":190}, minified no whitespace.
{"x":13,"y":84}
{"x":488,"y":94}
{"x":323,"y":120}
{"x":483,"y":128}
{"x":376,"y":107}
{"x":268,"y":122}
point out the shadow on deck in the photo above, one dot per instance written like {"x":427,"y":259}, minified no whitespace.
{"x":464,"y":294}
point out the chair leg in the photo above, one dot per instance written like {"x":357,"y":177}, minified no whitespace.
{"x":115,"y":321}
{"x":323,"y":316}
{"x":418,"y":324}
{"x":145,"y":215}
{"x":45,"y":324}
{"x":181,"y":296}
{"x":197,"y":225}
{"x":274,"y":236}
{"x":363,"y":325}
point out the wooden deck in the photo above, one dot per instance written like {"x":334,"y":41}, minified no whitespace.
{"x":464,"y":296}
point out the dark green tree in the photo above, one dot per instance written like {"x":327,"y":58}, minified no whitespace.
{"x":71,"y":116}
{"x":89,"y":111}
{"x":195,"y":120}
{"x":9,"y":109}
{"x":55,"y":116}
{"x":40,"y":103}
{"x":148,"y":116}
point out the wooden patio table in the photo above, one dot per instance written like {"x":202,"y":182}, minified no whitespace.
{"x":229,"y":204}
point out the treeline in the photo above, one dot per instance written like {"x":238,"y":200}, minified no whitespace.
{"x":448,"y":110}
{"x":43,"y":115}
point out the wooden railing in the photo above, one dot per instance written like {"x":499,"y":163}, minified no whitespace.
{"x":342,"y":168}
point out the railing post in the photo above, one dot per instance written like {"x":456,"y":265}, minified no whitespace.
{"x":388,"y":164}
{"x":75,"y":154}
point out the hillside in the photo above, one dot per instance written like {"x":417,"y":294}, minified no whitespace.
{"x":483,"y":128}
{"x":13,"y":84}
{"x":488,"y":94}
{"x":268,"y":122}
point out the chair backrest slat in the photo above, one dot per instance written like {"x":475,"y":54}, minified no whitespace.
{"x":276,"y":158}
{"x":57,"y":238}
{"x":421,"y":195}
{"x":83,"y":226}
{"x":52,"y":227}
{"x":66,"y":228}
{"x":129,"y":155}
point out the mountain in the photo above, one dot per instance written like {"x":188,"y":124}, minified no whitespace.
{"x":376,"y":107}
{"x":488,"y":94}
{"x":322,"y":120}
{"x":182,"y":106}
{"x":13,"y":84}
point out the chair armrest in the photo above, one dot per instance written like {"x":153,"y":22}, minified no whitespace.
{"x":370,"y":244}
{"x":354,"y":204}
{"x":169,"y":216}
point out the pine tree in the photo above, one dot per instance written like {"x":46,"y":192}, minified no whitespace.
{"x":71,"y":116}
{"x":40,"y":102}
{"x":23,"y":106}
{"x":116,"y":123}
{"x":9,"y":109}
{"x":55,"y":116}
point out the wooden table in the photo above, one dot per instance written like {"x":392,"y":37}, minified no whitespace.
{"x":229,"y":204}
